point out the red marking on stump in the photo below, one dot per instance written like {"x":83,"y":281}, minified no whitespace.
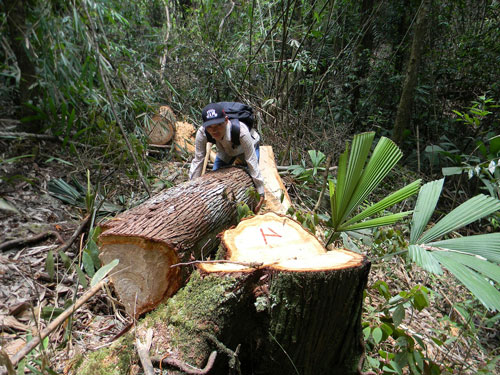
{"x":273,"y":234}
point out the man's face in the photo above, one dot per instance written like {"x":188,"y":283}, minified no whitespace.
{"x":217,"y":131}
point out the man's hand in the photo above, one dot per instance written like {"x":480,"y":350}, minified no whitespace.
{"x":259,"y":205}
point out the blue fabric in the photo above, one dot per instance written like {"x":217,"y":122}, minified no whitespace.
{"x":219,"y":163}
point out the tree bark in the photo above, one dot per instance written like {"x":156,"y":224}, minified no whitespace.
{"x":403,"y":115}
{"x":16,"y":23}
{"x":279,"y":304}
{"x":176,"y":225}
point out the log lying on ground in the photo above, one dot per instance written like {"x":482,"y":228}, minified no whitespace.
{"x":277,"y":198}
{"x":279,"y":304}
{"x":178,"y":224}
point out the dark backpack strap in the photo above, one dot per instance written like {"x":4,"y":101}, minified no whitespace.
{"x":235,"y":132}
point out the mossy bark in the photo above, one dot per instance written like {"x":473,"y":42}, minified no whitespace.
{"x":200,"y":318}
{"x":296,"y":322}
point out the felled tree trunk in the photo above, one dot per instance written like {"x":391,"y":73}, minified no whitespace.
{"x":176,"y":225}
{"x":278,"y":304}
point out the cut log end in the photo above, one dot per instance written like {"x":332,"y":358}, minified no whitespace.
{"x":141,"y":280}
{"x":278,"y":242}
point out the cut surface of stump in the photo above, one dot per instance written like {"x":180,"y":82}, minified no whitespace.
{"x":278,"y":242}
{"x":162,"y":127}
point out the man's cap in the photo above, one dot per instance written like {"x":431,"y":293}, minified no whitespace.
{"x":212,"y":114}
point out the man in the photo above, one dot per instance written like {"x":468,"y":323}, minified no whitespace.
{"x":218,"y":126}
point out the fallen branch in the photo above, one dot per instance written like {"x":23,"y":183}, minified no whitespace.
{"x":76,"y":233}
{"x":143,"y":351}
{"x":246,"y":264}
{"x":188,"y":369}
{"x":24,"y":241}
{"x":56,"y":322}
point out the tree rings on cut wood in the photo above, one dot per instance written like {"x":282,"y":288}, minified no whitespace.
{"x":160,"y":130}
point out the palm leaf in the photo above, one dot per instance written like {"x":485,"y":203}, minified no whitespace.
{"x":426,"y":203}
{"x":488,"y":269}
{"x":484,"y":245}
{"x":361,"y":145}
{"x":424,"y":259}
{"x":377,"y":222}
{"x":478,"y":285}
{"x":384,"y":158}
{"x":388,"y":201}
{"x":465,"y":257}
{"x":468,"y":212}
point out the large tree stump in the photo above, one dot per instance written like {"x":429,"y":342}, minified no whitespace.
{"x":315,"y":296}
{"x":176,"y":225}
{"x":278,"y":304}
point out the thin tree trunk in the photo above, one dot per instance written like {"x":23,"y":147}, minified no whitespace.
{"x":403,"y":115}
{"x":16,"y":20}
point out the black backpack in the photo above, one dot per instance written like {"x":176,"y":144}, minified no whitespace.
{"x":239,"y":112}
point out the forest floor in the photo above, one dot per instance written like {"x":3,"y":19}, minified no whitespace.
{"x":29,"y":298}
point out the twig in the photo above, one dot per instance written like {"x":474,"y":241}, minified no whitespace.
{"x":286,"y":168}
{"x":234,"y":361}
{"x":246,"y":264}
{"x":17,"y":135}
{"x":325,"y":180}
{"x":5,"y":361}
{"x":143,"y":351}
{"x":221,"y":25}
{"x":56,"y":322}
{"x":76,"y":233}
{"x":188,"y":369}
{"x":24,"y":241}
